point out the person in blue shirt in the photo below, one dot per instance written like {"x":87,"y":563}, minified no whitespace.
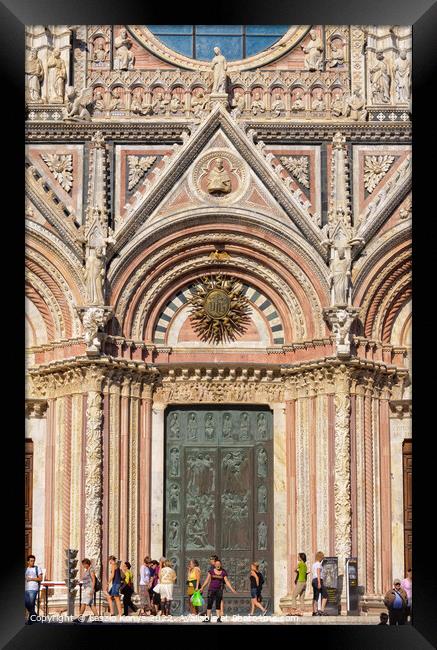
{"x":396,"y":602}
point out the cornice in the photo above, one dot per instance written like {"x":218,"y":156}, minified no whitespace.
{"x":354,"y":131}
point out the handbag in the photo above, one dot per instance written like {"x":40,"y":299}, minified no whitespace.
{"x":197,"y":599}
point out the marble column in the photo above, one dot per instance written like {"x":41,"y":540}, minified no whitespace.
{"x":157,"y":481}
{"x":281,"y":551}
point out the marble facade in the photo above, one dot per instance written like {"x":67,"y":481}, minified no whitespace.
{"x":313,"y":219}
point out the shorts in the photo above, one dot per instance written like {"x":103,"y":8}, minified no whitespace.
{"x":253,"y":592}
{"x":318,"y":591}
{"x":115,"y":589}
{"x":87,"y":597}
{"x":215,"y":596}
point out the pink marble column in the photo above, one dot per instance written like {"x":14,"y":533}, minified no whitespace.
{"x":144,"y":472}
{"x":313,"y":471}
{"x":48,"y":526}
{"x":368,"y":474}
{"x":354,"y":504}
{"x":331,"y":474}
{"x":385,"y":494}
{"x":124,"y":470}
{"x":290,"y":415}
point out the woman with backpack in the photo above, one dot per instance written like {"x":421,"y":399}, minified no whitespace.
{"x":300,"y":585}
{"x":127,"y":588}
{"x":88,"y":590}
{"x":256,"y":584}
{"x":114,"y":583}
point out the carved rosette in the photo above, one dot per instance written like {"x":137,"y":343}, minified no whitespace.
{"x":93,"y":480}
{"x":342,"y":486}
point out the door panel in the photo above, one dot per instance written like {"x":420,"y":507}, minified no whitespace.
{"x":218,"y":495}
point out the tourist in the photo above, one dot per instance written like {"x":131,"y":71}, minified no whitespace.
{"x":167,"y":578}
{"x":216,"y":579}
{"x":300,"y":584}
{"x":88,"y":590}
{"x":193,"y":581}
{"x":407,"y":586}
{"x":154,"y":596}
{"x":127,"y":588}
{"x":396,"y":602}
{"x":212,"y":561}
{"x":256,"y":582}
{"x":114,"y":584}
{"x":383,"y":618}
{"x":318,"y":586}
{"x":33,"y":579}
{"x":144,"y":587}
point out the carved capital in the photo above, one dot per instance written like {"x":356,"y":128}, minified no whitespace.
{"x":36,"y":408}
{"x":340,"y":320}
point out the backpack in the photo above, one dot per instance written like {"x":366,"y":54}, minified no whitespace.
{"x":97,"y":584}
{"x":261,"y":579}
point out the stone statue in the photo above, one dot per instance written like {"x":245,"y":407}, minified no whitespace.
{"x":337,"y":106}
{"x":257,"y":104}
{"x":278,"y":105}
{"x":380,"y":80}
{"x":337,"y":54}
{"x":340,"y":277}
{"x":298,"y":104}
{"x":355,"y":106}
{"x":59,"y":76}
{"x":77,"y":106}
{"x":139,"y":103}
{"x":192,"y":427}
{"x":402,"y":75}
{"x":159,"y":105}
{"x":262,"y":498}
{"x":314,"y":52}
{"x":175,"y":104}
{"x":219,"y":67}
{"x":238,"y":104}
{"x":35,"y":76}
{"x":93,"y":320}
{"x":318,"y":104}
{"x":262,"y":536}
{"x":123,"y":44}
{"x":218,"y":179}
{"x":262,"y":426}
{"x":198,"y":103}
{"x":100,"y":52}
{"x":94,"y":276}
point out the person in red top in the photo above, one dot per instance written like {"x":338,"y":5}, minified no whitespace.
{"x":216,"y":579}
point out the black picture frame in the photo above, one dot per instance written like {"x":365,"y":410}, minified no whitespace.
{"x":14,"y":15}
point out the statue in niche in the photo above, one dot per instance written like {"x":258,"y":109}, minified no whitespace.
{"x":174,"y":461}
{"x":219,"y":181}
{"x":209,"y":426}
{"x":318,"y":104}
{"x":402,"y":75}
{"x":100,"y":51}
{"x":173,"y":498}
{"x":262,"y":536}
{"x":340,"y":277}
{"x":262,"y":426}
{"x":219,"y":66}
{"x":227,"y":426}
{"x":278,"y":105}
{"x":262,"y":498}
{"x":175,"y":104}
{"x":192,"y":427}
{"x":298,"y":104}
{"x":337,"y":53}
{"x":355,"y":106}
{"x":244,"y":426}
{"x":232,"y":464}
{"x":380,"y":80}
{"x":314,"y":52}
{"x":35,"y":76}
{"x":94,"y":276}
{"x":173,"y":541}
{"x":123,"y":44}
{"x":59,"y":76}
{"x":257,"y":104}
{"x":174,"y":427}
{"x":238,"y":104}
{"x":262,"y":463}
{"x":139,"y":102}
{"x":159,"y":105}
{"x":337,"y":105}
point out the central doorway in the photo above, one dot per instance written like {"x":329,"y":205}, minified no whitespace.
{"x":219,"y":496}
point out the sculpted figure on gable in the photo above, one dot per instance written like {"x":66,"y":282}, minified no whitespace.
{"x":124,"y":57}
{"x":337,"y":53}
{"x":278,"y":105}
{"x":219,"y":67}
{"x":199,"y":102}
{"x":314,"y":52}
{"x":219,"y":180}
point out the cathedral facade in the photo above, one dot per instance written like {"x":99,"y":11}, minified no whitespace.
{"x":218,"y":298}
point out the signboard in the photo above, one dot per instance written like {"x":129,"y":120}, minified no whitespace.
{"x":330,"y":580}
{"x":352,"y":596}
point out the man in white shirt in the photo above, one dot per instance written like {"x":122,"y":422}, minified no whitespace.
{"x":33,"y":578}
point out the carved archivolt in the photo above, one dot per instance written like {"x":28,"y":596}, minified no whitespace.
{"x":51,"y":301}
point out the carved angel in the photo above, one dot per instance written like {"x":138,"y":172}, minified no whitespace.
{"x":77,"y":107}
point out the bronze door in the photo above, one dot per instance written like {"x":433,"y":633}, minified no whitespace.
{"x":219,"y":496}
{"x":407,"y":456}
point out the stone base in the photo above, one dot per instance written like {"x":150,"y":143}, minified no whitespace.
{"x":219,"y":98}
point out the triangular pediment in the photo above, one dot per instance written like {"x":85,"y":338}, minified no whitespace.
{"x":251,"y":181}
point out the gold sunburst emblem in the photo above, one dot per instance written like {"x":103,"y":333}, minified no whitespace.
{"x":220,"y":312}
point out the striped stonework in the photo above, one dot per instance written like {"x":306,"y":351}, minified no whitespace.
{"x":258,"y":299}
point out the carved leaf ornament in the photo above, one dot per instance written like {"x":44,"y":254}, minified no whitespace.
{"x":61,"y":168}
{"x":298,"y":167}
{"x":375,"y":168}
{"x":219,"y":311}
{"x":137,"y":168}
